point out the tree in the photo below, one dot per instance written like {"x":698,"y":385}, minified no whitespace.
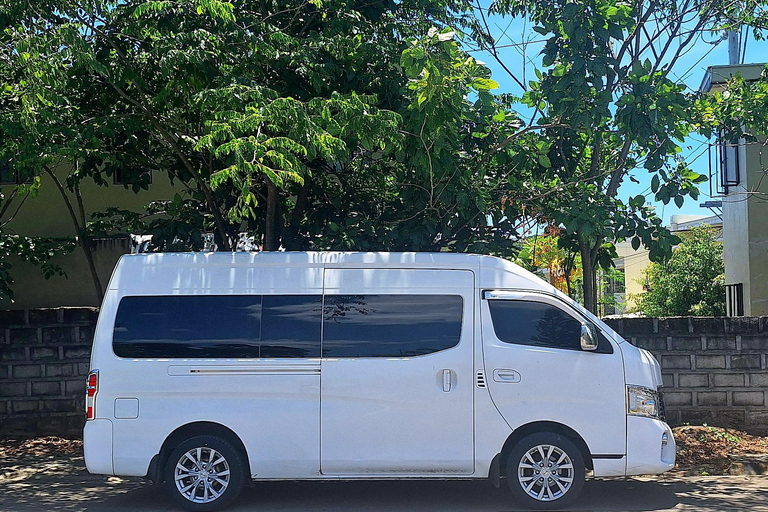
{"x":609,"y":95}
{"x":188,"y":88}
{"x":308,"y":125}
{"x":550,"y":252}
{"x":690,"y":283}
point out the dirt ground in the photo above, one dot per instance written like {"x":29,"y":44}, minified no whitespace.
{"x":704,"y":450}
{"x":49,"y":474}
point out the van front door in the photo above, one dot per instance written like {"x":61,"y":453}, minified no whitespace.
{"x":536,"y":370}
{"x":397,"y":387}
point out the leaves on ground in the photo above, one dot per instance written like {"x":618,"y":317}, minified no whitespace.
{"x":706,"y":450}
{"x":40,"y":447}
{"x":700,"y":449}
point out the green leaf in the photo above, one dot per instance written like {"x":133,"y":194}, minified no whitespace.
{"x":655,"y":183}
{"x":485,"y":84}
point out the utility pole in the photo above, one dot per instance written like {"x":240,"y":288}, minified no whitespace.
{"x":734,"y":47}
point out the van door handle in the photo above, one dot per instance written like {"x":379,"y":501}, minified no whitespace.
{"x":505,"y":375}
{"x":446,"y":380}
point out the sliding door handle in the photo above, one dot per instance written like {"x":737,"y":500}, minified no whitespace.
{"x":447,"y":381}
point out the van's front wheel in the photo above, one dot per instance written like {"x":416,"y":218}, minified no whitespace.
{"x":205,"y":473}
{"x":545,"y":471}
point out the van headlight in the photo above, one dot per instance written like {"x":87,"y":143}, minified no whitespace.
{"x":642,"y":401}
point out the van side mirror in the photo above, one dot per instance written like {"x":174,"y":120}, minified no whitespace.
{"x":588,"y":337}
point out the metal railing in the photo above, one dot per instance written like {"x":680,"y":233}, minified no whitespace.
{"x":734,"y":299}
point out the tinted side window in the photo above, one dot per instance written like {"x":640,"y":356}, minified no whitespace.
{"x":291,"y":325}
{"x":192,"y":326}
{"x":534,"y":323}
{"x":390,"y":325}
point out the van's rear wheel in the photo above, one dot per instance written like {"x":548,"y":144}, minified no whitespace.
{"x":545,"y":471}
{"x":205,"y":473}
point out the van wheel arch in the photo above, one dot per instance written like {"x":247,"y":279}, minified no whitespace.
{"x":536,"y":427}
{"x":184,"y":432}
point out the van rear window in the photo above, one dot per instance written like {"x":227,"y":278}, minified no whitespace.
{"x":218,"y":326}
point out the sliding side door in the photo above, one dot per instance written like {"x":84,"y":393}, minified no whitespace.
{"x":396,"y":386}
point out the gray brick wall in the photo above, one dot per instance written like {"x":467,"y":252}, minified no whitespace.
{"x":44,"y":359}
{"x":714,"y":369}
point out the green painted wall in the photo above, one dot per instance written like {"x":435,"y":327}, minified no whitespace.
{"x":47,"y":216}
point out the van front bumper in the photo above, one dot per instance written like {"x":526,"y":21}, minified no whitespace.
{"x":650,"y":446}
{"x":97,"y":443}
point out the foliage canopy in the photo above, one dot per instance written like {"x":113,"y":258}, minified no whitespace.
{"x":690,"y":283}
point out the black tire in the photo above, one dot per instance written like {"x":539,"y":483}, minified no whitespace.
{"x":200,"y":497}
{"x":538,"y":478}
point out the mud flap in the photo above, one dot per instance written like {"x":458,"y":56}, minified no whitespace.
{"x":494,"y":474}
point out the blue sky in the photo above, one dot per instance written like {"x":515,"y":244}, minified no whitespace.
{"x":689,"y":70}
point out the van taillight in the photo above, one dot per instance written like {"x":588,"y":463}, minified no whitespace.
{"x":92,"y":386}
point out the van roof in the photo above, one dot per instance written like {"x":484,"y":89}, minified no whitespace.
{"x":151,"y":273}
{"x":492,"y":271}
{"x":312,"y":258}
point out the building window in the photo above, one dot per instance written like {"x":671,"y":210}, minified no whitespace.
{"x":615,"y":281}
{"x":7,"y":174}
{"x":128,"y":177}
{"x":10,"y":176}
{"x":729,"y":164}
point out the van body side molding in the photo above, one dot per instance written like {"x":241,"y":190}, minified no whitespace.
{"x":179,"y":370}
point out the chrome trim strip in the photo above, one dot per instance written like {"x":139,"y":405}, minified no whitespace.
{"x":242,"y":370}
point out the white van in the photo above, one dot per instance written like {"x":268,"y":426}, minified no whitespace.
{"x":213,"y":369}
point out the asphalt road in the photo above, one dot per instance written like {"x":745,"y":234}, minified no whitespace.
{"x":62,"y":484}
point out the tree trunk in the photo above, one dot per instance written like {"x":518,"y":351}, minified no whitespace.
{"x":85,"y":243}
{"x":567,"y":277}
{"x":218,"y":219}
{"x":271,"y":241}
{"x":589,"y":275}
{"x":82,"y":239}
{"x":291,"y":235}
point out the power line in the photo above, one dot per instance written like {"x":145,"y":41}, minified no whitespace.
{"x":509,"y":45}
{"x":746,"y":38}
{"x":685,"y":75}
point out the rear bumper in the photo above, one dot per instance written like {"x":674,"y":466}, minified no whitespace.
{"x":650,"y":446}
{"x":97,"y":442}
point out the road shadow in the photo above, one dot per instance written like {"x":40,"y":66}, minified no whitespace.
{"x":422,"y":496}
{"x":65,"y":486}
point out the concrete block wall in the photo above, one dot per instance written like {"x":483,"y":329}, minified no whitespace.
{"x":715,"y":370}
{"x":44,"y":361}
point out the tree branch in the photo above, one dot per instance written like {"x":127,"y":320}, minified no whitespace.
{"x":495,"y":53}
{"x":153,"y":119}
{"x":517,"y":134}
